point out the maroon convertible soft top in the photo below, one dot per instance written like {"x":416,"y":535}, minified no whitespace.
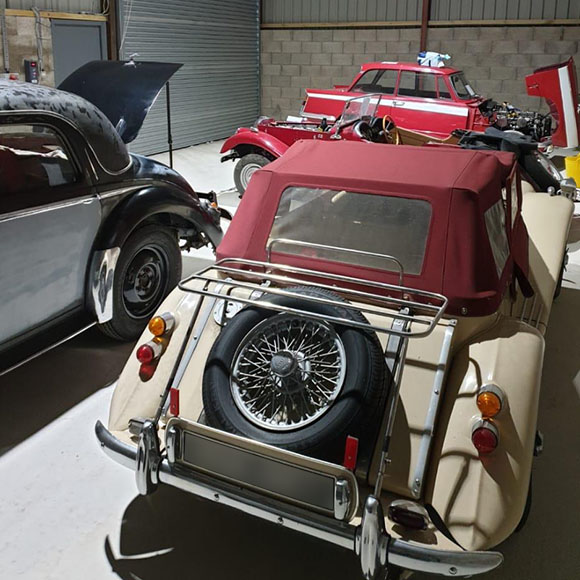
{"x":471,"y":243}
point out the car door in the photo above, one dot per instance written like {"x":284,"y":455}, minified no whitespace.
{"x":49,"y":217}
{"x":419,"y":106}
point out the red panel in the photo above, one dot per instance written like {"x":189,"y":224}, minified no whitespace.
{"x":558,"y":85}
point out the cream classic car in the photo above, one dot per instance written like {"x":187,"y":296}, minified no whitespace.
{"x":346,"y":367}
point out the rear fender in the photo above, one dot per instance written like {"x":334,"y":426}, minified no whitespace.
{"x":481,"y":499}
{"x":152,"y":201}
{"x":126,"y":217}
{"x":249,"y":141}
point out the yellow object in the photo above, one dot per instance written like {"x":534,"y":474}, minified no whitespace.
{"x":573,"y":167}
{"x":489,"y":404}
{"x":157,"y":326}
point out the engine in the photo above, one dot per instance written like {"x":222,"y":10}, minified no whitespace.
{"x":507,"y":117}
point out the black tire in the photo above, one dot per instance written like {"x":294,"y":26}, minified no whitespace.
{"x":246,"y":167}
{"x":527,"y":509}
{"x":148,"y":268}
{"x":563,"y":268}
{"x":355,"y":411}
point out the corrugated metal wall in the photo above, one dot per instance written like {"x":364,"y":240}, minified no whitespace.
{"x":287,"y":11}
{"x":323,"y":11}
{"x":504,"y":9}
{"x":217,"y":89}
{"x":56,"y":5}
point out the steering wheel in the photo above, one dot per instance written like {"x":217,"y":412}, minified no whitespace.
{"x":391,"y":134}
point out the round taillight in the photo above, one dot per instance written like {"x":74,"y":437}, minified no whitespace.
{"x":145,"y":354}
{"x":490,"y":400}
{"x":485,"y":437}
{"x":146,"y":371}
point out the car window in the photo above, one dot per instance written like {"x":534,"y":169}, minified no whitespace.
{"x":417,"y":84}
{"x":395,"y":226}
{"x":377,"y":81}
{"x":443,"y":90}
{"x":461,"y":87}
{"x":32,"y":157}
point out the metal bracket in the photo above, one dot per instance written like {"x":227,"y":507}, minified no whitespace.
{"x":372,"y":540}
{"x":342,"y":499}
{"x":148,"y":459}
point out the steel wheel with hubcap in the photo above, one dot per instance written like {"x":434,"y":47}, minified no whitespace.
{"x":246,"y":167}
{"x":148,"y":268}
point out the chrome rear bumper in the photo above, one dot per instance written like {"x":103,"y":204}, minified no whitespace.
{"x":396,"y":552}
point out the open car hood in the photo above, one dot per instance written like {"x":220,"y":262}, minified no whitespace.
{"x":558,"y":85}
{"x":123,"y":90}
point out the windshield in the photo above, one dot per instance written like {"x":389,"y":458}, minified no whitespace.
{"x":461,"y":87}
{"x":359,"y":107}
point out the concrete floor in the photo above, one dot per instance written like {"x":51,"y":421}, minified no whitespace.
{"x":68,"y":511}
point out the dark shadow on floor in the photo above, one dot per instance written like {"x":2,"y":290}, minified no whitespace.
{"x":40,"y":391}
{"x":198,"y":539}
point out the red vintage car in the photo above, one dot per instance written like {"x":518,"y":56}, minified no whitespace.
{"x":438,"y":100}
{"x":268,"y":139}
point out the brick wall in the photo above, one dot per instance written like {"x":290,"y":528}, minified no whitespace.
{"x":495,"y":59}
{"x":22,"y":45}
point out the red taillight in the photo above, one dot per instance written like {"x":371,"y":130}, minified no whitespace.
{"x":146,"y":371}
{"x":485,"y":437}
{"x":145,"y":354}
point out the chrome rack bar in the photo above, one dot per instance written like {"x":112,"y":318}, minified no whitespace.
{"x":382,"y":308}
{"x":360,"y":253}
{"x":395,"y":354}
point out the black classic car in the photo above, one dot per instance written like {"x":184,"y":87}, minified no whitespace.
{"x":89,"y":233}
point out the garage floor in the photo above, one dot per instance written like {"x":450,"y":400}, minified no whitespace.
{"x":68,"y":511}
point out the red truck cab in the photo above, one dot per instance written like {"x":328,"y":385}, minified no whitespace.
{"x":432,"y":100}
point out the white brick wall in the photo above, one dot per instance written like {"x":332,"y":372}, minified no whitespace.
{"x":495,"y":59}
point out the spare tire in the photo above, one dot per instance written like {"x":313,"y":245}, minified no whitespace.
{"x":295,"y":382}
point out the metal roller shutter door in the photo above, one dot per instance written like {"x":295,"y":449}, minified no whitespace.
{"x":217,"y":89}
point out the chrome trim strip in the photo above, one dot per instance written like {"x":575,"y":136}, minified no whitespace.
{"x":400,"y":552}
{"x":101,"y":282}
{"x":436,"y":396}
{"x":118,"y":192}
{"x":48,"y":348}
{"x":443,"y":562}
{"x":22,"y":213}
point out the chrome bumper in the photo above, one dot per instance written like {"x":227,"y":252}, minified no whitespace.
{"x":392,"y":551}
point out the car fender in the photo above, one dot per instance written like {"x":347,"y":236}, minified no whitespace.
{"x":124,"y":219}
{"x":247,"y":141}
{"x":481,"y":498}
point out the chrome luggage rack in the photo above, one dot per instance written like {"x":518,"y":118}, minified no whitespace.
{"x":422,"y":310}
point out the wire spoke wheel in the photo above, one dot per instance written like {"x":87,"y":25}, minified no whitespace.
{"x":287,"y":372}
